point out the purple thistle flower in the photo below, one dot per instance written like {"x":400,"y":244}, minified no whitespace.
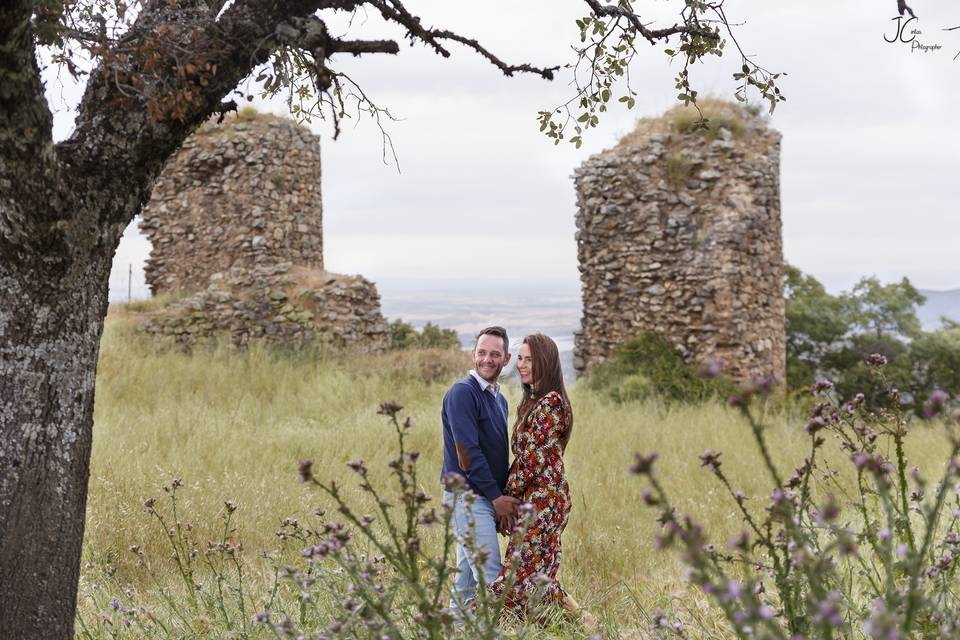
{"x":830,"y":510}
{"x":711,"y":369}
{"x":740,"y":541}
{"x":935,"y":403}
{"x":711,"y":460}
{"x":644,"y":464}
{"x":389,"y":408}
{"x":763,"y":384}
{"x":454,"y":482}
{"x":860,"y":459}
{"x":305,"y":470}
{"x":358,"y":466}
{"x":829,"y":611}
{"x":876,"y":360}
{"x":821,"y":386}
{"x":815,"y":424}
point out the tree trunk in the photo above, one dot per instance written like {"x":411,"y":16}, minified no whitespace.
{"x":50,"y":327}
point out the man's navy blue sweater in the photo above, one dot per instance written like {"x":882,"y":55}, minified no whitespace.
{"x":475,"y":440}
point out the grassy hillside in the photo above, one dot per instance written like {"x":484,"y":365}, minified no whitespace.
{"x":233,"y":426}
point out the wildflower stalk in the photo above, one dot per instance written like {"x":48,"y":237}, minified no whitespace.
{"x":913,"y":597}
{"x":902,"y":481}
{"x":404,"y":587}
{"x":822,"y":568}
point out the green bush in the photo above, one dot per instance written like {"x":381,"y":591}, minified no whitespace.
{"x":404,"y":336}
{"x":649,"y":367}
{"x":831,"y":336}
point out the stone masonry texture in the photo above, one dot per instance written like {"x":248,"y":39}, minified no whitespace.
{"x":236,"y":227}
{"x":241,"y":194}
{"x":679,"y":234}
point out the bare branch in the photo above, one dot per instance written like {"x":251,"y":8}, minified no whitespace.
{"x":394,"y":11}
{"x":359,"y":47}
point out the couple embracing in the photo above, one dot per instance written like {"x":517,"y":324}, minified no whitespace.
{"x":476,"y":444}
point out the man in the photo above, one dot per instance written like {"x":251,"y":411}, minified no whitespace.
{"x":475,"y":445}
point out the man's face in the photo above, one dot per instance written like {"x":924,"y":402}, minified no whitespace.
{"x":490,"y":357}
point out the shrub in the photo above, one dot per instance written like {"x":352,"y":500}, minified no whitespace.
{"x":404,"y":335}
{"x":650,"y":367}
{"x":872,"y":552}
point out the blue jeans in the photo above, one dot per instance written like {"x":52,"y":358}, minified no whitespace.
{"x":482,"y":516}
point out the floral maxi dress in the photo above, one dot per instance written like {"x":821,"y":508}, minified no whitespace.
{"x":537,"y":478}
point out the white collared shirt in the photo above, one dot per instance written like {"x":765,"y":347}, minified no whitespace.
{"x":492,"y":387}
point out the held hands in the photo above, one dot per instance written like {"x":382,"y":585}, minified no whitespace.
{"x":506,"y":508}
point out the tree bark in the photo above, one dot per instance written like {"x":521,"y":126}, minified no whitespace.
{"x":63,"y":209}
{"x":49,"y":343}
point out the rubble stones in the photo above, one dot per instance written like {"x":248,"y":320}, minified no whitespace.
{"x":699,"y":263}
{"x":280,"y":304}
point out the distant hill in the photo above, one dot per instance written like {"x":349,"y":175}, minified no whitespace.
{"x":938,"y":305}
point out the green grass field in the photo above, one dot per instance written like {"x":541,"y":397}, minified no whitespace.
{"x":233,"y":426}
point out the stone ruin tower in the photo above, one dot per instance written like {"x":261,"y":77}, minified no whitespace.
{"x":679,"y":234}
{"x":243,"y":194}
{"x":236,"y":227}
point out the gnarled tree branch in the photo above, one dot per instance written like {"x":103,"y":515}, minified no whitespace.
{"x":29,"y":178}
{"x":394,"y":11}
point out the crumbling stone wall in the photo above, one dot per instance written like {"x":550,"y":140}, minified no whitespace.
{"x":278,"y":304}
{"x":235,"y":223}
{"x":244,"y":193}
{"x":679,"y":233}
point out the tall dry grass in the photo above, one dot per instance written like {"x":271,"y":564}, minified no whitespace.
{"x":234,"y":424}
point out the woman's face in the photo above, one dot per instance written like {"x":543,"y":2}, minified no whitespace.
{"x":525,"y":365}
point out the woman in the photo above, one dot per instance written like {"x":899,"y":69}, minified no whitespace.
{"x":540,"y":436}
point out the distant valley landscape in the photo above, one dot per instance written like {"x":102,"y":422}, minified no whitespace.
{"x":554,"y":310}
{"x":551,"y":308}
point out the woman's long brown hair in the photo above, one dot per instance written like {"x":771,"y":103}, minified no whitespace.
{"x":547,"y":377}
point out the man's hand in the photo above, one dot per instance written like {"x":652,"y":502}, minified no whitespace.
{"x":506,"y":508}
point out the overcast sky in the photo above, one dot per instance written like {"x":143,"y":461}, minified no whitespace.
{"x":869,"y":167}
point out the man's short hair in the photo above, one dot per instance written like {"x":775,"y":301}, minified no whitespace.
{"x":499,"y":332}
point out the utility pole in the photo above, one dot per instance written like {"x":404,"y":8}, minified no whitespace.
{"x":130,"y":283}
